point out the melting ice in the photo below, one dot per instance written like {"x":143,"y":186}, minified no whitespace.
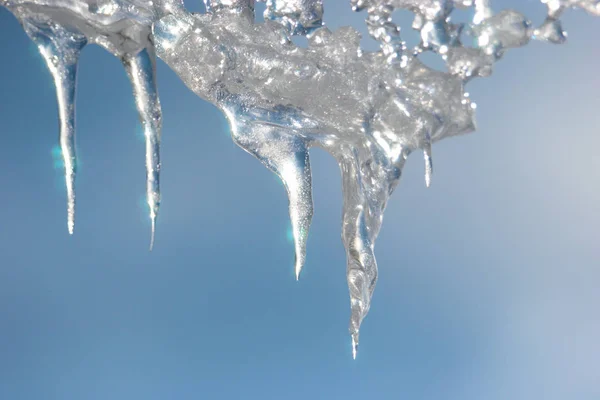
{"x":369,"y":110}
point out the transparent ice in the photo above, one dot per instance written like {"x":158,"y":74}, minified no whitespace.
{"x":369,"y":110}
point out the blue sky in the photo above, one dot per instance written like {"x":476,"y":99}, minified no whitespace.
{"x":489,"y":280}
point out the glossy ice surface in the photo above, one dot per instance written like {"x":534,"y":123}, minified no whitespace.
{"x":369,"y":110}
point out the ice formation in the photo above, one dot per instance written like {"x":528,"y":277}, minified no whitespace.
{"x":369,"y":110}
{"x":61,"y":29}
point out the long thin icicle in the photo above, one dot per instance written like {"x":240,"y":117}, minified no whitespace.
{"x":141,"y":70}
{"x":60,"y":49}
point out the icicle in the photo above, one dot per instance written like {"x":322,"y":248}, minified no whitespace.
{"x":141,"y":70}
{"x":428,"y":161}
{"x":360,"y":226}
{"x":296,"y":176}
{"x":287,"y":156}
{"x":361,"y":270}
{"x":60,"y":49}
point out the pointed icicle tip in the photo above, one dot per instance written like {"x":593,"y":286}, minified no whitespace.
{"x":298,"y":268}
{"x":153,"y":232}
{"x":70,"y":183}
{"x":428,"y":164}
{"x":71,"y":222}
{"x":354,"y":345}
{"x":300,"y":245}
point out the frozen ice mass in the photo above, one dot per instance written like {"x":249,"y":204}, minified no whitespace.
{"x":369,"y":110}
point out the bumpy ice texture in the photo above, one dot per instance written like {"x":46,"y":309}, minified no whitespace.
{"x":369,"y":110}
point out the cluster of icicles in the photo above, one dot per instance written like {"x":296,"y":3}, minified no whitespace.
{"x":369,"y":110}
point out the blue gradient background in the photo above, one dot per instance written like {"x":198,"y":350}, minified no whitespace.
{"x":489,"y":280}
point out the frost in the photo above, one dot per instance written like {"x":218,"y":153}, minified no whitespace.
{"x":369,"y":110}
